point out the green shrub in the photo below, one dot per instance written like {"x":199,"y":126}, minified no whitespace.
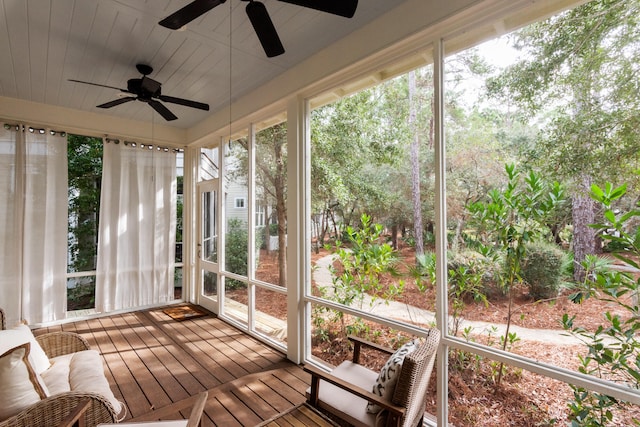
{"x":485,"y":266}
{"x":614,"y":246}
{"x":542,"y":268}
{"x":236,"y":253}
{"x":614,"y":347}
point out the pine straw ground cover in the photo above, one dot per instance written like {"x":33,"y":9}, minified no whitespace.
{"x":521,"y":399}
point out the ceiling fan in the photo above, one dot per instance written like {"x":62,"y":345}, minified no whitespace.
{"x":147,"y":90}
{"x":259,"y":17}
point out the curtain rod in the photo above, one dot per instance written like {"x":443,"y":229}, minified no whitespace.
{"x":32,"y":129}
{"x":43,"y":130}
{"x":134,"y":144}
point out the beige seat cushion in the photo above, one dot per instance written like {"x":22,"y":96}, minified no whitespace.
{"x":344,"y":404}
{"x":81,"y":371}
{"x":56,"y":377}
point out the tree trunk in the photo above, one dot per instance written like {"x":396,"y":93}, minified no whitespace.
{"x":584,"y":237}
{"x":455,"y":243}
{"x":415,"y":167}
{"x":281,"y":212}
{"x":394,"y":236}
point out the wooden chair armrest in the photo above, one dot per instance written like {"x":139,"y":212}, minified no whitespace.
{"x":360,"y":342}
{"x":76,"y":417}
{"x":318,"y":374}
{"x":57,"y":344}
{"x":54,"y":409}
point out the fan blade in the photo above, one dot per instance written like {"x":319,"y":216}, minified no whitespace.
{"x":185,"y":102}
{"x":162,"y":110}
{"x":346,"y":8}
{"x":189,"y":13}
{"x":264,"y":28}
{"x":99,"y":85}
{"x":116,"y":102}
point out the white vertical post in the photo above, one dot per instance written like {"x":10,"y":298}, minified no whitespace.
{"x":251,"y":240}
{"x":190,"y":289}
{"x":298,"y":208}
{"x":441,"y":232}
{"x":221,"y":220}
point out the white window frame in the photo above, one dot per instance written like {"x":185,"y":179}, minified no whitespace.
{"x":240,"y":200}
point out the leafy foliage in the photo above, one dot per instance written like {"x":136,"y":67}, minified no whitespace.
{"x":578,"y":77}
{"x":84,"y":183}
{"x":84,"y":156}
{"x":512,"y":218}
{"x":542,"y":268}
{"x":465,"y":282}
{"x":236,"y":252}
{"x":614,"y":347}
{"x":362,"y":263}
{"x":356,"y":143}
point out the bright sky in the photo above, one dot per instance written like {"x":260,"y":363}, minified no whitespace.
{"x":499,"y":52}
{"x":496,"y":52}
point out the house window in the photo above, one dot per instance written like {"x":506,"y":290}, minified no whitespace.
{"x":260,"y":216}
{"x":240,"y":203}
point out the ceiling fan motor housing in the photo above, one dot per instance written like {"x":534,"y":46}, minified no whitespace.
{"x":145,"y":88}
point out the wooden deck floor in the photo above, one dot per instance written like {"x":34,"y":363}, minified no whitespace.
{"x":157,"y":365}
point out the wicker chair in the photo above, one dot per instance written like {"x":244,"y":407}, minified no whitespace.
{"x":53,"y":410}
{"x":345,"y":391}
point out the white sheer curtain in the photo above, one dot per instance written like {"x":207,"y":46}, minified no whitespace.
{"x":33,"y":221}
{"x":137,"y":227}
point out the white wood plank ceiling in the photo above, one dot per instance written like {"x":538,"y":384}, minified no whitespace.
{"x":216,"y":58}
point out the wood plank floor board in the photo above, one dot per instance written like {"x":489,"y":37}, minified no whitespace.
{"x":127,"y":384}
{"x":82,"y":327}
{"x":244,"y":414}
{"x":166,"y":356}
{"x":143,"y":348}
{"x":310,"y":418}
{"x":211,"y":358}
{"x":233,"y":356}
{"x":271,"y":396}
{"x":245,"y":345}
{"x":283,"y":391}
{"x":191,"y":362}
{"x":157,"y":366}
{"x":293,"y":381}
{"x":147,"y":380}
{"x":255,"y":402}
{"x":101,"y":335}
{"x":223,"y":366}
{"x":219,"y":415}
{"x":299,"y":374}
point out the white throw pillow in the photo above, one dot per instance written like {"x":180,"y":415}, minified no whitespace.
{"x":19,"y":385}
{"x":21,"y":334}
{"x":386,"y":382}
